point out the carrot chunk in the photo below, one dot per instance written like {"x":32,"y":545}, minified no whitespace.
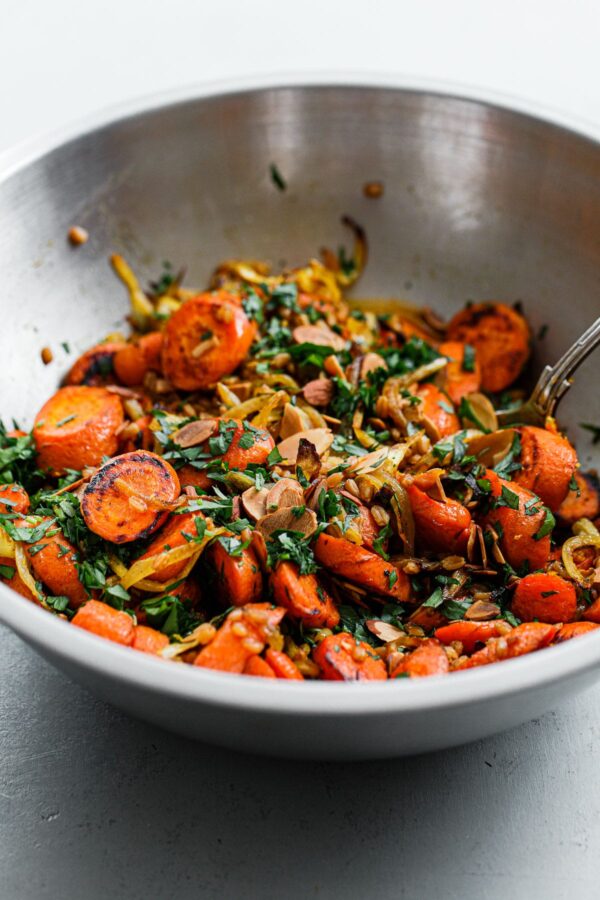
{"x":148,"y":640}
{"x":303,"y":597}
{"x":436,"y":407}
{"x":237,"y":578}
{"x":282,"y":665}
{"x":524,"y":538}
{"x":523,"y":639}
{"x":177,"y":531}
{"x":129,"y":497}
{"x":548,"y":598}
{"x":575,"y":629}
{"x":462,"y":376}
{"x":95,"y":366}
{"x":134,"y":360}
{"x":256,"y":665}
{"x":342,"y":658}
{"x":583,"y":502}
{"x":106,"y":622}
{"x":77,"y":428}
{"x":362,"y":567}
{"x":548,"y":463}
{"x":242,"y":635}
{"x":469,"y":633}
{"x":10,"y":577}
{"x":13,"y":499}
{"x":53,"y":562}
{"x":440,"y":527}
{"x":429,"y":658}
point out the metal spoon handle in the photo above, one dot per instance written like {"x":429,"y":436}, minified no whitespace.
{"x":555,"y":380}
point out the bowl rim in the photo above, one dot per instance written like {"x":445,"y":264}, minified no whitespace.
{"x":53,"y":637}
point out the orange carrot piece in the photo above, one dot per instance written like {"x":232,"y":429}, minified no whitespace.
{"x":583,"y":502}
{"x":548,"y":463}
{"x":106,"y":622}
{"x":575,"y":629}
{"x":242,"y":635}
{"x":440,"y":527}
{"x":13,"y":499}
{"x":523,"y":639}
{"x":95,"y":366}
{"x":303,"y":597}
{"x":77,"y":428}
{"x":342,"y":658}
{"x":238,"y":578}
{"x":12,"y":579}
{"x":179,"y":529}
{"x":52,"y":560}
{"x":207,"y":338}
{"x":456,"y":380}
{"x":547,"y":598}
{"x":592,"y":613}
{"x":429,"y":658}
{"x":362,"y":567}
{"x":149,"y":640}
{"x":438,"y":409}
{"x":282,"y":665}
{"x":124,"y":501}
{"x":468,"y":633}
{"x":518,"y":529}
{"x":256,"y":665}
{"x":134,"y":360}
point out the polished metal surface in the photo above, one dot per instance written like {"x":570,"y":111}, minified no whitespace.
{"x":479,"y":203}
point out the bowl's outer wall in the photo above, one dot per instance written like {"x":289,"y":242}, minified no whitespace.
{"x":479,"y":203}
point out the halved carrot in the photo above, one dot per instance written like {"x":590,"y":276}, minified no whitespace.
{"x":545,"y":597}
{"x":548,"y":462}
{"x":77,"y":428}
{"x":303,"y":597}
{"x":518,"y":528}
{"x":282,"y":665}
{"x":52,"y":560}
{"x":455,"y":379}
{"x":179,"y":529}
{"x":583,"y":502}
{"x":129,"y":497}
{"x":437,"y":408}
{"x":207,"y":338}
{"x":525,"y":638}
{"x":148,"y":640}
{"x":501,"y":338}
{"x":238,"y":579}
{"x":342,"y":658}
{"x":429,"y":658}
{"x":442,"y":527}
{"x":13,"y":499}
{"x":469,"y":633}
{"x":256,"y":665}
{"x":362,"y":567}
{"x":95,"y":366}
{"x":575,"y":629}
{"x":106,"y":622}
{"x":242,"y":635}
{"x":134,"y":360}
{"x":10,"y":577}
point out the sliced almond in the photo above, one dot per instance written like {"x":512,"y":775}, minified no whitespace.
{"x":370,"y":362}
{"x":286,"y":492}
{"x":384,"y":630}
{"x":481,"y":611}
{"x":285,"y":519}
{"x":323,"y":337}
{"x":255,"y":502}
{"x":293,"y":421}
{"x":194,"y":433}
{"x":483,"y":413}
{"x":318,"y":392}
{"x":322,"y":438}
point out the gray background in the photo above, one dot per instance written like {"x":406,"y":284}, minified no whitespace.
{"x":96,"y":805}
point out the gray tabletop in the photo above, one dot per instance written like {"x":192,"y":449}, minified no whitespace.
{"x":97,"y":805}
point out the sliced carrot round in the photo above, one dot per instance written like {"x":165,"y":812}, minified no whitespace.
{"x":129,"y":497}
{"x":13,"y":499}
{"x":583,"y":502}
{"x":53,"y":562}
{"x":95,"y":366}
{"x":548,"y":463}
{"x":134,"y":360}
{"x":207,"y":338}
{"x":106,"y":622}
{"x":545,"y":598}
{"x":77,"y":428}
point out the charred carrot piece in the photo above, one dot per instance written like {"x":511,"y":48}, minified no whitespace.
{"x":242,"y":635}
{"x":342,"y":658}
{"x":442,"y":527}
{"x":462,"y":375}
{"x":207,"y":338}
{"x":95,"y":366}
{"x":362,"y":567}
{"x":256,"y":665}
{"x":583,"y":502}
{"x":501,"y":338}
{"x":575,"y":629}
{"x":521,"y":530}
{"x":547,"y":598}
{"x":13,"y":499}
{"x":470,"y":633}
{"x":148,"y":640}
{"x":592,"y":613}
{"x":303,"y":597}
{"x":429,"y":658}
{"x":143,"y":439}
{"x":523,"y":639}
{"x":282,"y":665}
{"x":77,"y":428}
{"x":238,"y":579}
{"x":548,"y":462}
{"x":437,"y":409}
{"x":106,"y":622}
{"x":178,"y":530}
{"x":10,"y":577}
{"x":260,"y":445}
{"x":134,"y":360}
{"x":53,"y":562}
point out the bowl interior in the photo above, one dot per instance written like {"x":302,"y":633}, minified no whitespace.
{"x":480,"y":203}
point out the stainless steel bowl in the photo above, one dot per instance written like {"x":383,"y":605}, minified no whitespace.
{"x":480,"y":202}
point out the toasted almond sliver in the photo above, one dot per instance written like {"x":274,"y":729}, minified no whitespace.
{"x":286,"y":492}
{"x":293,"y":421}
{"x":322,"y":438}
{"x":318,"y":392}
{"x":284,"y":519}
{"x":384,"y":630}
{"x":194,"y":433}
{"x":255,"y":502}
{"x":323,"y":337}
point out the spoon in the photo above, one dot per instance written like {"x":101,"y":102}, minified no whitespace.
{"x":552,"y":384}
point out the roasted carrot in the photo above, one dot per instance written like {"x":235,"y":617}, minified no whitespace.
{"x":362,"y":567}
{"x":524,"y":535}
{"x":547,"y":598}
{"x":255,"y":446}
{"x":13,"y":499}
{"x":237,"y":579}
{"x":282,"y":665}
{"x":53,"y":561}
{"x":148,"y":640}
{"x":242,"y":635}
{"x":575,"y":629}
{"x":77,"y":428}
{"x":443,"y":527}
{"x":548,"y":463}
{"x":523,"y":639}
{"x":106,"y":622}
{"x":429,"y":658}
{"x":95,"y":366}
{"x":10,"y":577}
{"x":462,"y":375}
{"x":501,"y":339}
{"x":142,"y":438}
{"x":592,"y":613}
{"x":342,"y":658}
{"x":206,"y":339}
{"x":256,"y":665}
{"x":470,"y":633}
{"x":303,"y":597}
{"x":437,"y":409}
{"x":132,"y":361}
{"x":129,"y":497}
{"x":582,"y":502}
{"x":177,"y":531}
